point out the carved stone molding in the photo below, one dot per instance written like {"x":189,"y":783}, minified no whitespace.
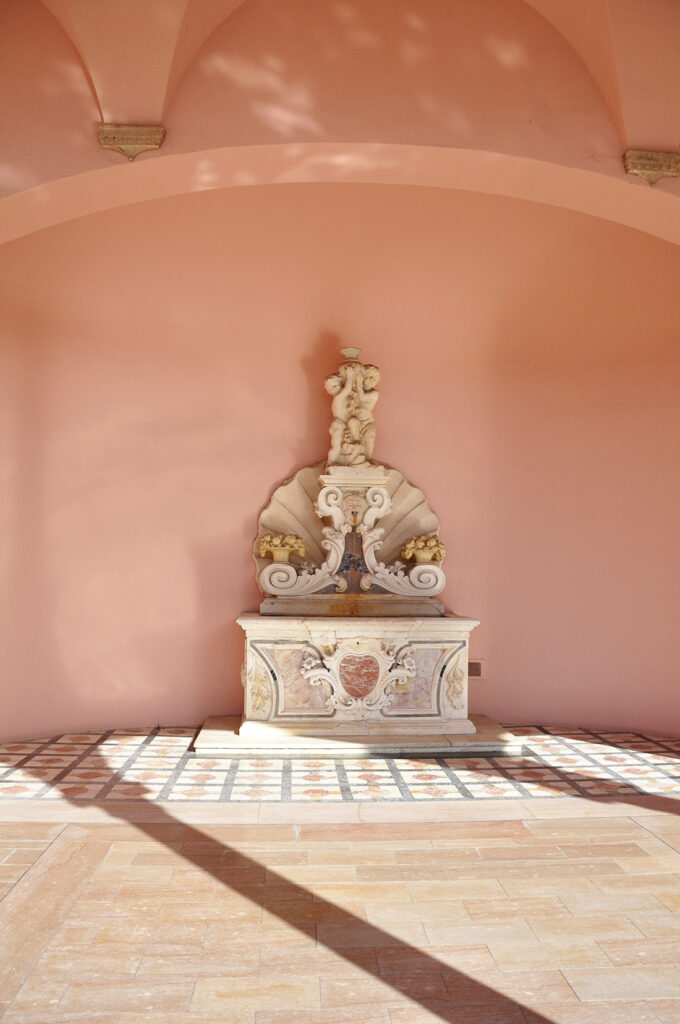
{"x":456,"y":684}
{"x":131,"y":139}
{"x":258,"y":685}
{"x":651,"y":165}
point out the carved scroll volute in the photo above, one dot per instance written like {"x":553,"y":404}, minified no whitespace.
{"x":423,"y":580}
{"x":379,"y":504}
{"x":329,"y":505}
{"x":282,"y":579}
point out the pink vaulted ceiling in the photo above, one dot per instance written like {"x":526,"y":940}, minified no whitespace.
{"x":631,"y":49}
{"x":646,"y":38}
{"x":544,"y":95}
{"x":585,"y":25}
{"x":491,"y":76}
{"x":137,"y":53}
{"x":134,"y":52}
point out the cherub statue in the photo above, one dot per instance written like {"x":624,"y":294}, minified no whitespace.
{"x":368,"y":395}
{"x":340,"y":391}
{"x":354,"y":391}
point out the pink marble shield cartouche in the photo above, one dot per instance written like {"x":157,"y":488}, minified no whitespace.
{"x":358,"y":674}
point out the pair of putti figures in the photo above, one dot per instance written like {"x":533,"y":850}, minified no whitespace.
{"x":354,"y":390}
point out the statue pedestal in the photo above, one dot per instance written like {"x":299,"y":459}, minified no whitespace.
{"x":372,"y":677}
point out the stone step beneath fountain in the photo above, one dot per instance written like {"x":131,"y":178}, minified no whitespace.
{"x":232,"y":737}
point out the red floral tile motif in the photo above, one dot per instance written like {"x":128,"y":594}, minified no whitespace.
{"x":358,"y":674}
{"x":257,"y":764}
{"x":316,"y":777}
{"x":73,"y":792}
{"x":372,"y":777}
{"x":375,"y":792}
{"x":196,"y":793}
{"x":417,"y":764}
{"x":550,"y":789}
{"x":317,"y":794}
{"x":203,"y":778}
{"x":424,"y":777}
{"x":258,"y":778}
{"x":134,"y":791}
{"x":624,"y":758}
{"x":469,"y":763}
{"x":40,"y":774}
{"x":531,"y":774}
{"x":498,"y":791}
{"x":19,"y":790}
{"x":62,"y":749}
{"x":79,"y":737}
{"x":145,"y":775}
{"x":256,"y":793}
{"x":663,"y":759}
{"x":466,"y":775}
{"x":47,"y":761}
{"x":371,"y":764}
{"x":435,"y":793}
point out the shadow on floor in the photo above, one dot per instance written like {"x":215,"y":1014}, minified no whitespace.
{"x":453,"y":996}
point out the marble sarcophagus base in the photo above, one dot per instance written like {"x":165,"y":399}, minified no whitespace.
{"x":356,"y":676}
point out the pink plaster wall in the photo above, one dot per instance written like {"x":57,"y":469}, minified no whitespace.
{"x":161,"y":370}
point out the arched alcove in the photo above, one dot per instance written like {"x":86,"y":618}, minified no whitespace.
{"x":156,"y":392}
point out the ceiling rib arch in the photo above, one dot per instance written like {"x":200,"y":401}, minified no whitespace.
{"x":621,"y":199}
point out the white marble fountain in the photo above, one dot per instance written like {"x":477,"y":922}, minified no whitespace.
{"x":352,"y":648}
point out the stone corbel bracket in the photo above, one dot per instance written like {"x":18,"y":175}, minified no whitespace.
{"x":393,"y":669}
{"x":652,"y":166}
{"x":131,"y":139}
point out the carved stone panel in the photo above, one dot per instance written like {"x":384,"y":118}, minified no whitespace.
{"x":368,"y":672}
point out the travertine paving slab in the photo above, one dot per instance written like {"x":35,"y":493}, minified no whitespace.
{"x":623,"y":1012}
{"x":628,"y":952}
{"x":557,"y":954}
{"x":631,"y":983}
{"x":612,"y":926}
{"x":214,"y":994}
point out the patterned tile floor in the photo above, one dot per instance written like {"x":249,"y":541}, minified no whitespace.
{"x":157,"y":765}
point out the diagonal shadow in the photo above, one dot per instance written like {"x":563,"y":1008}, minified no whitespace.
{"x":446,"y":992}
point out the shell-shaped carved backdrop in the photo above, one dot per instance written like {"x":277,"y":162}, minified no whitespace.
{"x":409,"y":516}
{"x":292,"y":510}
